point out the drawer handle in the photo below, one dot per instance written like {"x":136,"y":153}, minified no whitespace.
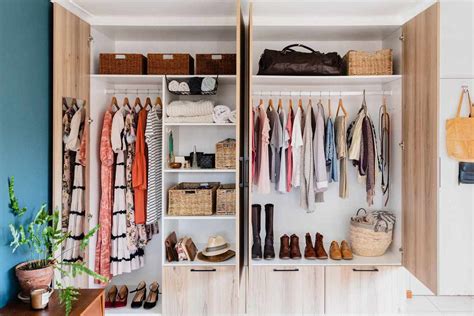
{"x":203,"y":270}
{"x":366,"y":270}
{"x":286,"y":270}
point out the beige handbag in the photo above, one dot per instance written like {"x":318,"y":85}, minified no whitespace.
{"x":460,"y":133}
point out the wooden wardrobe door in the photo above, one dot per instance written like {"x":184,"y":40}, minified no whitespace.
{"x":420,"y":141}
{"x":71,"y":70}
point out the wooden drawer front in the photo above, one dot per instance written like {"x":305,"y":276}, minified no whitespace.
{"x":286,"y":290}
{"x":353,"y":289}
{"x":199,"y":290}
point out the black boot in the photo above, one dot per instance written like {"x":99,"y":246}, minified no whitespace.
{"x":256,"y":224}
{"x":268,"y":250}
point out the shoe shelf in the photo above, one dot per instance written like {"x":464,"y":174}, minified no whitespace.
{"x":390,"y":258}
{"x":198,"y":263}
{"x":127,"y":310}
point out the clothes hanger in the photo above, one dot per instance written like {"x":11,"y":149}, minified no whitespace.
{"x":291,"y":105}
{"x":300,"y":104}
{"x":280,"y":104}
{"x":260,"y":104}
{"x":329,"y":107}
{"x":364,"y":103}
{"x":270,"y":104}
{"x":138,"y":104}
{"x":340,"y":106}
{"x":158,"y":102}
{"x":126,"y":104}
{"x":114,"y":104}
{"x":148,"y":104}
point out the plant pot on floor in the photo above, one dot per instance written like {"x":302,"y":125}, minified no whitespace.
{"x":31,"y":279}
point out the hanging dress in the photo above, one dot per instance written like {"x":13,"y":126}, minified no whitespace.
{"x":307,"y":196}
{"x":285,"y":138}
{"x":68,"y":169}
{"x":153,"y":138}
{"x":72,"y":252}
{"x":102,"y":250}
{"x":289,"y":151}
{"x":263,"y":182}
{"x":341,"y":149}
{"x":139,"y":170}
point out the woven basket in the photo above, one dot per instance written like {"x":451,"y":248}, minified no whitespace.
{"x":225,"y":154}
{"x":122,"y":64}
{"x":170,"y":64}
{"x":225,"y":204}
{"x":369,"y":243}
{"x":215,"y":64}
{"x":190,"y":199}
{"x":359,"y":63}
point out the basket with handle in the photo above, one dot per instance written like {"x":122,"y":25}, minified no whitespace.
{"x":192,"y":199}
{"x":370,"y":239}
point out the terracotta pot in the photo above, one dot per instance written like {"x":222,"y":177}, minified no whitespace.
{"x":33,"y":279}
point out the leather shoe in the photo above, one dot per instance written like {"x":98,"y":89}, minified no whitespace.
{"x":285,"y":247}
{"x":335,"y":251}
{"x":295,"y":252}
{"x":346,"y":250}
{"x":319,"y":247}
{"x":309,"y":252}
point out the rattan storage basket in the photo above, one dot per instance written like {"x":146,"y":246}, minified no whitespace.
{"x":225,"y":154}
{"x":192,"y":199}
{"x":215,"y":64}
{"x":122,"y":64}
{"x":170,"y":64}
{"x":370,"y":240}
{"x":225,"y":204}
{"x":360,"y":63}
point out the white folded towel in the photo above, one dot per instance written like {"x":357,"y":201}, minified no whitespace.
{"x":183,"y":87}
{"x":233,"y":116}
{"x":190,"y":108}
{"x":221,"y":113}
{"x":173,"y":85}
{"x":190,"y":119}
{"x":208,"y":84}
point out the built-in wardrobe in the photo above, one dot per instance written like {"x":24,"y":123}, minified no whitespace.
{"x":365,"y":284}
{"x":83,"y":30}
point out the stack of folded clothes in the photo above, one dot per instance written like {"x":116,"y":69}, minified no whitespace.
{"x":190,"y":111}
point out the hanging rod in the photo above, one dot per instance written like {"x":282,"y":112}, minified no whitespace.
{"x":132,"y":91}
{"x":318,"y":93}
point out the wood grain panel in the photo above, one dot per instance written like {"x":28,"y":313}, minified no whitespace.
{"x":200,"y":292}
{"x":420,"y":138}
{"x":357,"y":290}
{"x":286,"y":290}
{"x":71,"y":70}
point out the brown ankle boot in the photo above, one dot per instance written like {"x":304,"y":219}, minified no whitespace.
{"x":319,"y":247}
{"x":285,"y":247}
{"x":295,"y":252}
{"x":346,"y":251}
{"x":335,"y":251}
{"x":309,"y":252}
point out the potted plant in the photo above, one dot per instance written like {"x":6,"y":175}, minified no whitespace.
{"x":43,"y":237}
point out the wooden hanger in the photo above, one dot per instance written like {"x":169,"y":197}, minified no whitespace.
{"x":280,"y":104}
{"x":114,"y":104}
{"x":148,"y":104}
{"x":126,"y":104}
{"x":260,"y":103}
{"x":329,"y":107}
{"x":340,"y":106}
{"x":138,"y":104}
{"x":270,"y":104}
{"x":291,"y":105}
{"x":300,"y":104}
{"x":158,"y":102}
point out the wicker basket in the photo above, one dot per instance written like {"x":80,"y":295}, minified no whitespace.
{"x":122,"y":64}
{"x":367,"y":241}
{"x":225,"y":204}
{"x":215,"y":64}
{"x":225,"y":154}
{"x":366,"y":64}
{"x":170,"y":64}
{"x":191,"y":199}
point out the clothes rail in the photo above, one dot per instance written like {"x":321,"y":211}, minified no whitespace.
{"x":132,"y":91}
{"x":319,"y":93}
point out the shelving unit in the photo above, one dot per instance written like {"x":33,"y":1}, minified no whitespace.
{"x":200,"y":170}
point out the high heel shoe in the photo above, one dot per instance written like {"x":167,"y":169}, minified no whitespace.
{"x":139,"y":296}
{"x":152,"y":296}
{"x":110,"y":297}
{"x":122,"y":296}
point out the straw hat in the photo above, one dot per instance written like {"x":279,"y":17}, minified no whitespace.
{"x":217,"y":250}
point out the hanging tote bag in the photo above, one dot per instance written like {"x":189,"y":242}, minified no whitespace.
{"x":460,"y":133}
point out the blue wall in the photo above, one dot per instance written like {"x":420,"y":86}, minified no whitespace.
{"x":25,"y":102}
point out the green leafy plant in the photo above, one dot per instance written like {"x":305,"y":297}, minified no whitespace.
{"x":43,"y":237}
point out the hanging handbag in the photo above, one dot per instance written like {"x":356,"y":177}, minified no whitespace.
{"x":466,"y":173}
{"x":293,"y":63}
{"x":460,"y":133}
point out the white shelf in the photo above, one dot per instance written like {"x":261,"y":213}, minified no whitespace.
{"x":197,"y":263}
{"x":210,"y":217}
{"x":321,"y":80}
{"x":155,"y":79}
{"x":127,"y":310}
{"x":222,"y":79}
{"x":198,"y":124}
{"x":391,"y":258}
{"x":199,"y":170}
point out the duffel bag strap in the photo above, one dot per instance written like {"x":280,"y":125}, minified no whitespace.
{"x":289,"y":48}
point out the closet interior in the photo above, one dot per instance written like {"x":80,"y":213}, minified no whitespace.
{"x":143,"y":27}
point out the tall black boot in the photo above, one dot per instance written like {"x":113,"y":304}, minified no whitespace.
{"x":256,"y":224}
{"x":268,"y":250}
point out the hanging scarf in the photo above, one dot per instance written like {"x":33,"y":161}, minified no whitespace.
{"x":384,"y":128}
{"x":367,"y":162}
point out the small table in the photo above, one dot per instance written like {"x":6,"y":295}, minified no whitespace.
{"x":91,"y":302}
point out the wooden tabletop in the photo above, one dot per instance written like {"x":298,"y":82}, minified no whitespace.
{"x":86,"y":298}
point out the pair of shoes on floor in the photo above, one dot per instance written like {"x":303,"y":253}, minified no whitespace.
{"x":290,"y":247}
{"x":343,"y":252}
{"x":116,"y":298}
{"x":317,"y":251}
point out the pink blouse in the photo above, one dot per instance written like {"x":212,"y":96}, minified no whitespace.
{"x":263,"y":183}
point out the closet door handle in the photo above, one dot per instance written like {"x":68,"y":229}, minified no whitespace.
{"x":203,"y":270}
{"x":242,"y":172}
{"x":286,"y":270}
{"x":366,"y":270}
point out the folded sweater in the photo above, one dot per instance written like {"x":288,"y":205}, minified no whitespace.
{"x":190,"y":108}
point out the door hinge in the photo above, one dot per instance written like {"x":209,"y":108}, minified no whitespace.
{"x":402,"y":145}
{"x":90,"y":38}
{"x":402,"y":37}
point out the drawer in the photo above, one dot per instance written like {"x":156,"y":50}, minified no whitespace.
{"x":362,"y":289}
{"x":286,"y":290}
{"x":199,"y":290}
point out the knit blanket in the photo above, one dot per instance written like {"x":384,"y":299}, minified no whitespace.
{"x":190,"y":108}
{"x":190,"y":119}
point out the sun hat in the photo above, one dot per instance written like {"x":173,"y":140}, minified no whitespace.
{"x":216,"y":245}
